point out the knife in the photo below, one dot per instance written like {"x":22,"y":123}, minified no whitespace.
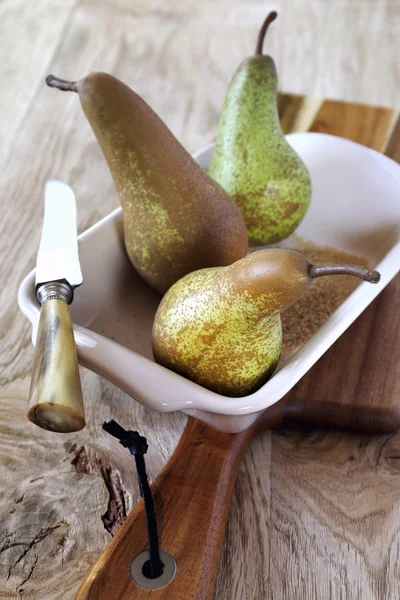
{"x":55,"y":396}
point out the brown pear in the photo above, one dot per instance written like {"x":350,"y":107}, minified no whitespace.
{"x":221,"y":327}
{"x":176,"y":218}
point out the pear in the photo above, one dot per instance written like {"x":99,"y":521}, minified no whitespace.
{"x":221,"y":327}
{"x":176,"y":218}
{"x":252,"y":159}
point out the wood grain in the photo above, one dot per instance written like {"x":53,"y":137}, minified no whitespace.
{"x":367,"y":125}
{"x":325,"y":524}
{"x":29,"y":36}
{"x":334,"y":517}
{"x":393,"y":145}
{"x":296,"y":113}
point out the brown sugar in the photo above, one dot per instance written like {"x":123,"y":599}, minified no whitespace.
{"x":301,"y":320}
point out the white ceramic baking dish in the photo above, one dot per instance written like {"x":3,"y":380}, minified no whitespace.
{"x":355,"y":207}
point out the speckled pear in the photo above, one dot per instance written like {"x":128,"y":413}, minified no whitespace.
{"x":221,"y":327}
{"x":176,"y":218}
{"x":252,"y":159}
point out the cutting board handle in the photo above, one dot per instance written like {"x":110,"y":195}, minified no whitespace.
{"x":192,"y":496}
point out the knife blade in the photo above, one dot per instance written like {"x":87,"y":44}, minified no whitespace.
{"x":58,"y":257}
{"x":55,"y":396}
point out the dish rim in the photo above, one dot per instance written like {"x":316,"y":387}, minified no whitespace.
{"x":285,"y":378}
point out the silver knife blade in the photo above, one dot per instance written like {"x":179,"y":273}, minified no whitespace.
{"x":58,"y":256}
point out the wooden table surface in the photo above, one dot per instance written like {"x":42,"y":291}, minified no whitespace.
{"x":314,"y":515}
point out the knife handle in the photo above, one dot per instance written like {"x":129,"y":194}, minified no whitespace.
{"x":55,"y":396}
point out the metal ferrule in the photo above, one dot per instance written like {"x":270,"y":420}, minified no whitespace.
{"x":54,"y":290}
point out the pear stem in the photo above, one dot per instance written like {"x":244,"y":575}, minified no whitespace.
{"x":355,"y":270}
{"x":61,"y":84}
{"x":260,"y":41}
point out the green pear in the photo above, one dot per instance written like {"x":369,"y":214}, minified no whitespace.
{"x":176,"y":218}
{"x":252,"y":159}
{"x":221,"y":327}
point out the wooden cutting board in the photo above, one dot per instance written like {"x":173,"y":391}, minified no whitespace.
{"x":368,"y":398}
{"x":193,"y":491}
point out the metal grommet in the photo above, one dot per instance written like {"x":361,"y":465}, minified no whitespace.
{"x":152,"y":584}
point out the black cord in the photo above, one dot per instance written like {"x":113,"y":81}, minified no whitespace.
{"x":137,"y":445}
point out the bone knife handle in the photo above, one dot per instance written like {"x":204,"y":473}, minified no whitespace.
{"x":55,"y":397}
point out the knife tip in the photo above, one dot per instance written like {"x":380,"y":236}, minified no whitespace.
{"x":55,"y":186}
